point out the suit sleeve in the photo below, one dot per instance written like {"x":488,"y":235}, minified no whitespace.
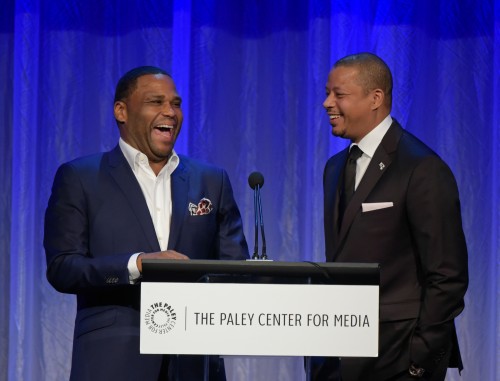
{"x":231,"y":243}
{"x":441,"y":255}
{"x":71,"y":267}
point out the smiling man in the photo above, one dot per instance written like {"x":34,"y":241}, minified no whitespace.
{"x":389,"y":199}
{"x":109,"y":211}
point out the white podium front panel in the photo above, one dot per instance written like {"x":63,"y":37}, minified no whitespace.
{"x":259,"y":319}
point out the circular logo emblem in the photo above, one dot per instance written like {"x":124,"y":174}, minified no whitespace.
{"x":160,"y":318}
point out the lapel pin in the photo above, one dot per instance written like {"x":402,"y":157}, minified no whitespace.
{"x":381,"y":166}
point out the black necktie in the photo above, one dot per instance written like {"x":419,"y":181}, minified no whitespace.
{"x":349,"y":179}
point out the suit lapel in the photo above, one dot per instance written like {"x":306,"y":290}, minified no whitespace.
{"x":180,"y":189}
{"x":379,"y":164}
{"x":121,"y":172}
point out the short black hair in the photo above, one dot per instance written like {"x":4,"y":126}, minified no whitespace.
{"x":374,"y":73}
{"x":128,"y":82}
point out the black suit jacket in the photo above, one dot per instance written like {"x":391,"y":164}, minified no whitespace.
{"x":419,"y":241}
{"x":97,"y":217}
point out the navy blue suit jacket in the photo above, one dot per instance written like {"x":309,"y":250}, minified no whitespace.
{"x":97,"y":217}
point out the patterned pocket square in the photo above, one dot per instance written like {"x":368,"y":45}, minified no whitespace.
{"x":203,"y":207}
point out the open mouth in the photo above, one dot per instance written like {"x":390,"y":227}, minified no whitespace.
{"x":334,"y":116}
{"x":165,"y":132}
{"x":164,"y":128}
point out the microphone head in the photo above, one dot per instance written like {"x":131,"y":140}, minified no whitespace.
{"x":255,"y":179}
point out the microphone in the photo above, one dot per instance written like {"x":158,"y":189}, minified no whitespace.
{"x":256,"y":181}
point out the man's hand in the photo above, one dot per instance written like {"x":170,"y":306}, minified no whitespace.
{"x":168,"y":254}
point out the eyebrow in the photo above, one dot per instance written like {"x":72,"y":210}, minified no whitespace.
{"x":335,"y":88}
{"x":161,"y":96}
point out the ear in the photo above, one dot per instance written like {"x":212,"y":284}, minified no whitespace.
{"x":378,"y":98}
{"x":120,"y":111}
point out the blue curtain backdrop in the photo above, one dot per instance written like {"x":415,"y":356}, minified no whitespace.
{"x":252,"y":75}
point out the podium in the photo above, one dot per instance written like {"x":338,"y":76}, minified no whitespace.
{"x":259,"y":308}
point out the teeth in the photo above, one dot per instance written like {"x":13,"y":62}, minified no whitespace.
{"x":164,"y":127}
{"x":336,"y":116}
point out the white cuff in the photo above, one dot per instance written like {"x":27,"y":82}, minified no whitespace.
{"x":133,"y":270}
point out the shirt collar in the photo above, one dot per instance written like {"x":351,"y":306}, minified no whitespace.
{"x":372,"y":140}
{"x":134,"y":157}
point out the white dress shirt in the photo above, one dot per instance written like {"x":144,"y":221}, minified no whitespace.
{"x":157,"y":192}
{"x":369,"y":145}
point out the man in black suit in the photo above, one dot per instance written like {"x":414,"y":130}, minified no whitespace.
{"x":400,"y":209}
{"x":109,"y":211}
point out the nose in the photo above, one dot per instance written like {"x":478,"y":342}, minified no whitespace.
{"x":329,"y":101}
{"x":168,"y":110}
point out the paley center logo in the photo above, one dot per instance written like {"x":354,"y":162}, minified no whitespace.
{"x":160,"y":317}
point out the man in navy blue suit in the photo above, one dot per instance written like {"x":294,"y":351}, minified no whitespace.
{"x":141,"y":200}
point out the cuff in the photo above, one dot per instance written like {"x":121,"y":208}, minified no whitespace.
{"x":133,"y":271}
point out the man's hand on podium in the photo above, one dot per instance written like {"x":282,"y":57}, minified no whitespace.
{"x":167,"y":254}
